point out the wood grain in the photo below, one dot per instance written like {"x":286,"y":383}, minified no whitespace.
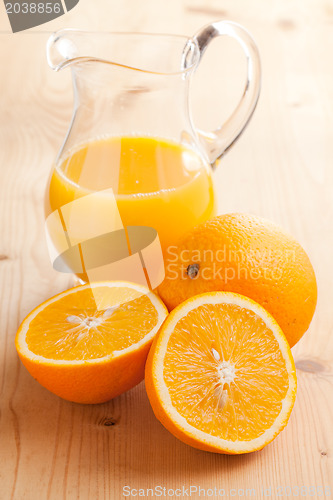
{"x":280,"y":168}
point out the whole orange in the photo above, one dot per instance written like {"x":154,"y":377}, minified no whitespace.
{"x":248,"y":255}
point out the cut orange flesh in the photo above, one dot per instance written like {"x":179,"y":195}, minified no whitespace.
{"x":89,"y":344}
{"x":220,"y":375}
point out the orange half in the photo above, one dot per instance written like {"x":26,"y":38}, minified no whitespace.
{"x":90,"y":343}
{"x":220,"y":375}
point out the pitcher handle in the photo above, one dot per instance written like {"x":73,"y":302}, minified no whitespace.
{"x":220,"y":140}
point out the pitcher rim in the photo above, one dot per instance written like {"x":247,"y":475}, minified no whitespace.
{"x":55,"y":36}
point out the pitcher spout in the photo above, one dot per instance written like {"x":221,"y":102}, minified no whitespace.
{"x":149,"y":53}
{"x":61,"y":51}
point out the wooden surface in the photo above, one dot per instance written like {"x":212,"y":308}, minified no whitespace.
{"x":281,"y":169}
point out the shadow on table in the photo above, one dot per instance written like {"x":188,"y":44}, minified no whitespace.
{"x":120,"y":440}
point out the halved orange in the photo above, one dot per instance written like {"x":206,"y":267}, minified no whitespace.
{"x":220,"y":374}
{"x":90,"y":343}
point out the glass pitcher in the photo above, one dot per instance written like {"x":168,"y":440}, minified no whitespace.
{"x":132,"y":157}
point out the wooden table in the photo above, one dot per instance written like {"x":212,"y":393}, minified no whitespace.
{"x":281,"y":169}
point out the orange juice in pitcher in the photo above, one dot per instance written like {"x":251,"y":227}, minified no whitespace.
{"x":133,"y":174}
{"x":156,"y":183}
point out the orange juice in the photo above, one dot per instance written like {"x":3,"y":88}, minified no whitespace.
{"x":156,"y":183}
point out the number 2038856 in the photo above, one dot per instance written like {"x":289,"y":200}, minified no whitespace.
{"x":33,"y":8}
